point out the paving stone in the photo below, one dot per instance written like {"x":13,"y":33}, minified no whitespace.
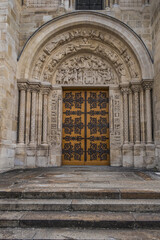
{"x":79,"y":234}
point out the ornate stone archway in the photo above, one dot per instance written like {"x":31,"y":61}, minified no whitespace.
{"x":85,"y":49}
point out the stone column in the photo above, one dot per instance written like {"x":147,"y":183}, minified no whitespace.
{"x":62,"y":3}
{"x":131,"y":134}
{"x":127,"y":149}
{"x":147,"y":86}
{"x":22,"y":87}
{"x":40,"y":117}
{"x":116,"y":2}
{"x":45,"y":93}
{"x":125,"y":92}
{"x":34,"y":89}
{"x":107,"y":3}
{"x":136,"y":90}
{"x":142,"y":117}
{"x":28,"y":108}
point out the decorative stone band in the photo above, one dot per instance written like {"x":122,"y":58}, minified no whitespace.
{"x":34,"y":88}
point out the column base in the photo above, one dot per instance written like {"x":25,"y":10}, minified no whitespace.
{"x":157,"y":156}
{"x":116,"y":157}
{"x":127,"y":151}
{"x":31,"y":156}
{"x":20,"y":156}
{"x":42,"y":155}
{"x":150,"y":160}
{"x":139,"y":154}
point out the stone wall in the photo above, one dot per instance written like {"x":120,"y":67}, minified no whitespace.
{"x":156,"y":51}
{"x":9,"y":42}
{"x":136,"y":15}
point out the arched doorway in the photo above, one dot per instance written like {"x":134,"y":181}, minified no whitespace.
{"x":77,"y":50}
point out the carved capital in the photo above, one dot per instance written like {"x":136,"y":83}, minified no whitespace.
{"x":147,"y":84}
{"x":34,"y":87}
{"x":125,"y":90}
{"x":46,"y":90}
{"x":22,"y":86}
{"x":136,"y":88}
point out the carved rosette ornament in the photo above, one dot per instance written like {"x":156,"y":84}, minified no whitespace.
{"x":136,"y":88}
{"x":125,"y":91}
{"x":147,"y":85}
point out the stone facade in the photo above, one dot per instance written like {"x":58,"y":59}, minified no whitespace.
{"x":156,"y":96}
{"x":73,"y":50}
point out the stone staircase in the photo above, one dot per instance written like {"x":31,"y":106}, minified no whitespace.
{"x":80,"y":203}
{"x":109,"y":209}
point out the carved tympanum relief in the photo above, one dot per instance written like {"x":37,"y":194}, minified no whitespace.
{"x":99,"y":50}
{"x":85,"y":69}
{"x":99,"y":42}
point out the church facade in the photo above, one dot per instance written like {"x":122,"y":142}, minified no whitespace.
{"x":80,"y":83}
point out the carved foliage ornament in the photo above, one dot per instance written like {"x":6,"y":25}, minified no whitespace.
{"x":85,"y":35}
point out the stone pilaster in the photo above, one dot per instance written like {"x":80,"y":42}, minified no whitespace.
{"x":22,"y":87}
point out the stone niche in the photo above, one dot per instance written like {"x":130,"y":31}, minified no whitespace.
{"x":84,"y":57}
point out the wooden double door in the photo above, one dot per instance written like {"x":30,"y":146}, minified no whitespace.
{"x":85,"y":127}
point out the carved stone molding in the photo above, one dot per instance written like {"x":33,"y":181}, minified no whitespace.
{"x":86,"y":38}
{"x":98,"y":51}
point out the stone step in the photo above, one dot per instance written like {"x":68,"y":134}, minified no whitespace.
{"x":83,"y":194}
{"x":112,"y":205}
{"x":79,"y":234}
{"x":54,"y":219}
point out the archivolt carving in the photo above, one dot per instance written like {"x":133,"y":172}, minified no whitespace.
{"x":85,"y":69}
{"x":91,"y":39}
{"x":97,"y":49}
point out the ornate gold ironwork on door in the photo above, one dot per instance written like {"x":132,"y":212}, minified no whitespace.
{"x":85,"y":127}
